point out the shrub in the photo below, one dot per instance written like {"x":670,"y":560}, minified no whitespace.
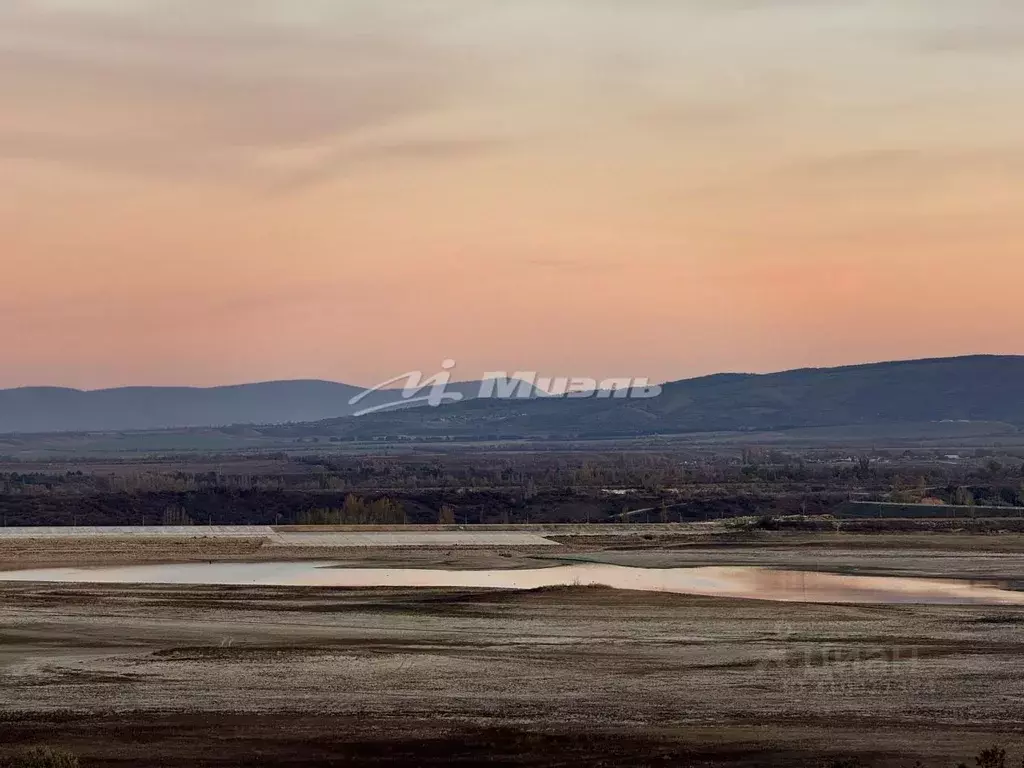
{"x":991,"y":758}
{"x":44,"y":757}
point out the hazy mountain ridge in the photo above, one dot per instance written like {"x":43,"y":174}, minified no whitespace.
{"x":979,"y":388}
{"x":55,"y":409}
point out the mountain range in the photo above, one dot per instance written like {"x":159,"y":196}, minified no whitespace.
{"x":54,"y":409}
{"x":979,"y":388}
{"x":982,"y":389}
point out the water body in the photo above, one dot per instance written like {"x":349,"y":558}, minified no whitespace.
{"x":735,"y":582}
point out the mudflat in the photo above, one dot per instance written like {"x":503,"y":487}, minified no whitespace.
{"x":275,"y":676}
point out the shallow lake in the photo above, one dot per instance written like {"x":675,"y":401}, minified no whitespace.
{"x":738,"y":582}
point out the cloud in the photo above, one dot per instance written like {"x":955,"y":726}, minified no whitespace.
{"x":997,"y":40}
{"x":992,"y":27}
{"x":910,"y":164}
{"x":575,"y":266}
{"x":355,"y":156}
{"x":85,"y":85}
{"x":283,"y":95}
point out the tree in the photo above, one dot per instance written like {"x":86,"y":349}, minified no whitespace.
{"x":354,"y":510}
{"x":863,"y":471}
{"x":446,"y":516}
{"x":176,"y":515}
{"x":963,"y":497}
{"x":386,"y":512}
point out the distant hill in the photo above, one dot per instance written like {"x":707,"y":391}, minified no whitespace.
{"x":52,"y":409}
{"x":981,"y":389}
{"x":984,"y":388}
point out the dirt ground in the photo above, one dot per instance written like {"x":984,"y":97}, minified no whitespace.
{"x":233,"y":676}
{"x":961,"y":555}
{"x":99,"y":551}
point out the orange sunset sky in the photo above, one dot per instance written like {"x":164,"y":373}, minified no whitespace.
{"x":206,"y":192}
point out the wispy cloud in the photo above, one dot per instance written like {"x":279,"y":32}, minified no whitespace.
{"x":209,"y":89}
{"x":84,"y":84}
{"x":311,"y":165}
{"x":575,"y":266}
{"x":352,"y":157}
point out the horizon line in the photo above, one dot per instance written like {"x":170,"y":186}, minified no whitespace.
{"x":256,"y":383}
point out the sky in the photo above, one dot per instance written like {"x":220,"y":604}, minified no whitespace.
{"x":201,"y":193}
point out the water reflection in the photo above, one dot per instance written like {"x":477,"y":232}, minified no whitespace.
{"x":738,"y":582}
